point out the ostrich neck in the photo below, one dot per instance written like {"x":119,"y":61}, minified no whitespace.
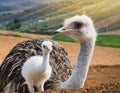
{"x":78,"y":77}
{"x":45,"y":62}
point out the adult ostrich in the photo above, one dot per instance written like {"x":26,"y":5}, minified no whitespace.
{"x":80,"y":27}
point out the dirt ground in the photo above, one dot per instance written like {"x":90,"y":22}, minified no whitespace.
{"x":101,"y":79}
{"x":103,"y":76}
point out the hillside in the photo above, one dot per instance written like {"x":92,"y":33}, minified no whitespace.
{"x":105,"y":13}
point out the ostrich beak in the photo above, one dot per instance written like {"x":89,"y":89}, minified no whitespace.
{"x":75,"y":33}
{"x":65,"y":30}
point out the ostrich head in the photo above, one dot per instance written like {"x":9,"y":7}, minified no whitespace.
{"x":80,"y":27}
{"x":46,"y":46}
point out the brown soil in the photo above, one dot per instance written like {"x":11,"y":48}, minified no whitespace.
{"x":103,"y":88}
{"x":103,"y":76}
{"x":101,"y":79}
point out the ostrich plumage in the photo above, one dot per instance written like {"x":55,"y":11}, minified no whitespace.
{"x":10,"y":69}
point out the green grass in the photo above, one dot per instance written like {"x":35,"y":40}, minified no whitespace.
{"x":63,"y":37}
{"x":102,"y":40}
{"x":108,"y":40}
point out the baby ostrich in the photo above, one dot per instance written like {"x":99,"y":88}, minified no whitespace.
{"x":36,"y":70}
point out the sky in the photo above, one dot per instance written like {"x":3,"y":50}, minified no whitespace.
{"x":8,"y":5}
{"x":21,"y":1}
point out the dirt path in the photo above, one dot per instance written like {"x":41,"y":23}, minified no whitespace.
{"x":101,"y":56}
{"x":24,"y":35}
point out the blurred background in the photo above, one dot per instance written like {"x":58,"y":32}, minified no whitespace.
{"x":40,"y":16}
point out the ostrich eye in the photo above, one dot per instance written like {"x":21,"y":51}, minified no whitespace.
{"x":63,"y":29}
{"x":77,"y":25}
{"x":44,"y":47}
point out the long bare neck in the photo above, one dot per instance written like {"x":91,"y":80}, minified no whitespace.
{"x":45,"y":62}
{"x":78,"y":77}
